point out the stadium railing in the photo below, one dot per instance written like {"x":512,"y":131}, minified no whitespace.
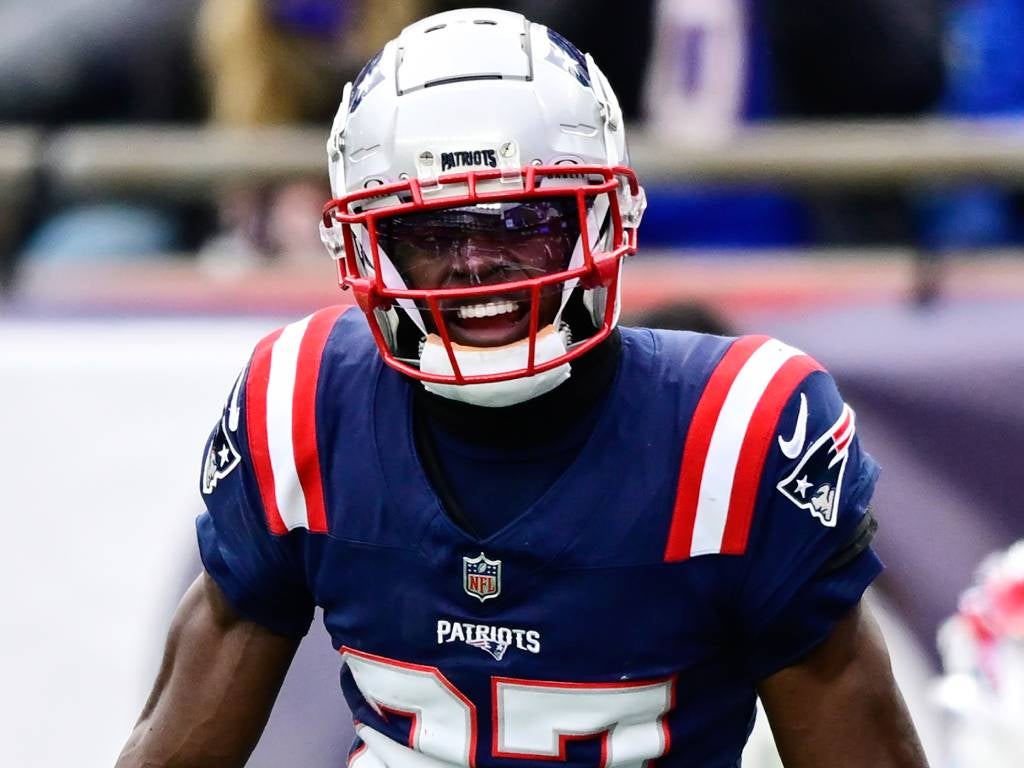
{"x":190,"y":162}
{"x":189,"y":159}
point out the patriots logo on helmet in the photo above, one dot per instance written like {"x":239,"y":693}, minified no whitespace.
{"x":567,"y":56}
{"x":369,"y":78}
{"x":816,"y":483}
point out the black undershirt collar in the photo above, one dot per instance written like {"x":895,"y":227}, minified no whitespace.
{"x":542,"y":419}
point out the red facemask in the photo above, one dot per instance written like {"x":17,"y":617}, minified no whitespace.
{"x":481,"y":267}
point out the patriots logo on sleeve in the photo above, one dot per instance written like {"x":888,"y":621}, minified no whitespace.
{"x":222,"y":456}
{"x":221,"y":459}
{"x":816,"y":483}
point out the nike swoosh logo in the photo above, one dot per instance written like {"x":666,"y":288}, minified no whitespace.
{"x":791,"y":448}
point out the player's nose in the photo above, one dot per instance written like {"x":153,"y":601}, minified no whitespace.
{"x":478,"y":259}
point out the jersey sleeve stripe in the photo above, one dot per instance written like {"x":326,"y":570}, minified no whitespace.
{"x":256,"y":428}
{"x":845,"y":428}
{"x":716,"y":484}
{"x":698,"y":439}
{"x":280,"y":398}
{"x":844,"y":434}
{"x":304,"y":421}
{"x":756,"y":443}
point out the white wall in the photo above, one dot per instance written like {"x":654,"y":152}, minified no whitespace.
{"x":101,"y":429}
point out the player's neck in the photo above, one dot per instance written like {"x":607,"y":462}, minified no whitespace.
{"x":543,"y":417}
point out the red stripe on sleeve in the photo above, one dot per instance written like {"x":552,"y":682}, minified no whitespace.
{"x":754,"y":449}
{"x":837,"y":433}
{"x":304,"y":423}
{"x":698,"y":439}
{"x":256,"y":428}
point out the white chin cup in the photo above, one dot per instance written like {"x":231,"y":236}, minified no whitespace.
{"x":480,"y":361}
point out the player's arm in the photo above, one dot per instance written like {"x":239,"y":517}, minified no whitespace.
{"x":238,"y":626}
{"x":839,"y":707}
{"x":217,"y":683}
{"x":811,"y":648}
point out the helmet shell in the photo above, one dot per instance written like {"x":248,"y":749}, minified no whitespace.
{"x":433,"y":90}
{"x":469,"y":103}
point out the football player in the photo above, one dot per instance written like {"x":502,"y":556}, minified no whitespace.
{"x":535,"y":536}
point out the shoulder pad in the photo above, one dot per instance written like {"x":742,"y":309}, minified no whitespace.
{"x":281,"y":422}
{"x":726,"y":444}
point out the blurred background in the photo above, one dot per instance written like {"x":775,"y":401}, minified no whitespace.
{"x":848,"y":179}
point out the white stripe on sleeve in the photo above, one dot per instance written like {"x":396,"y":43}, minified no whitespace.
{"x":727,"y":439}
{"x":284,"y":358}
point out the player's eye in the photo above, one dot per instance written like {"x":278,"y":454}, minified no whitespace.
{"x":431,"y":240}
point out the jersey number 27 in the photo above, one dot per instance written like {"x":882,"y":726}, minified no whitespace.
{"x":531,"y":719}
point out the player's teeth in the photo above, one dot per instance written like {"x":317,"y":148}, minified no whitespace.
{"x":487,"y":310}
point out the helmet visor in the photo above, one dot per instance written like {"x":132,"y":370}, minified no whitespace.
{"x":481,"y":244}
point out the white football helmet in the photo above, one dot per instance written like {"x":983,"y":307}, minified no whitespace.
{"x":483,"y":204}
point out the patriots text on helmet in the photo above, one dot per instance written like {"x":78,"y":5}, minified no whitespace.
{"x":478,"y":158}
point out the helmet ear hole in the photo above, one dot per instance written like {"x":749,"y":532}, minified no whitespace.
{"x":408,"y":337}
{"x":596,"y":302}
{"x":388,"y":320}
{"x":579,"y":317}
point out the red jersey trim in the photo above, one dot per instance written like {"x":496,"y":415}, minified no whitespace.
{"x":756,"y":377}
{"x":256,"y":428}
{"x":754,"y":451}
{"x":698,"y":439}
{"x":304,"y":421}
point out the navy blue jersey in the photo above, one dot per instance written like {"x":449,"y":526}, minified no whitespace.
{"x":687,"y":552}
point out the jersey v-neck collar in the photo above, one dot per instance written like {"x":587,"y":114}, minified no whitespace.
{"x":544,"y":529}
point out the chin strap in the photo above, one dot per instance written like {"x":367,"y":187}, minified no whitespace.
{"x":479,"y":361}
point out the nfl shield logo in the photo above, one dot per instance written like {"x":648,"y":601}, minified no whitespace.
{"x":481,"y":578}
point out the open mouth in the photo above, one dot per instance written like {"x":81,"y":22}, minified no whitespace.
{"x":489,"y":309}
{"x":489,"y":323}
